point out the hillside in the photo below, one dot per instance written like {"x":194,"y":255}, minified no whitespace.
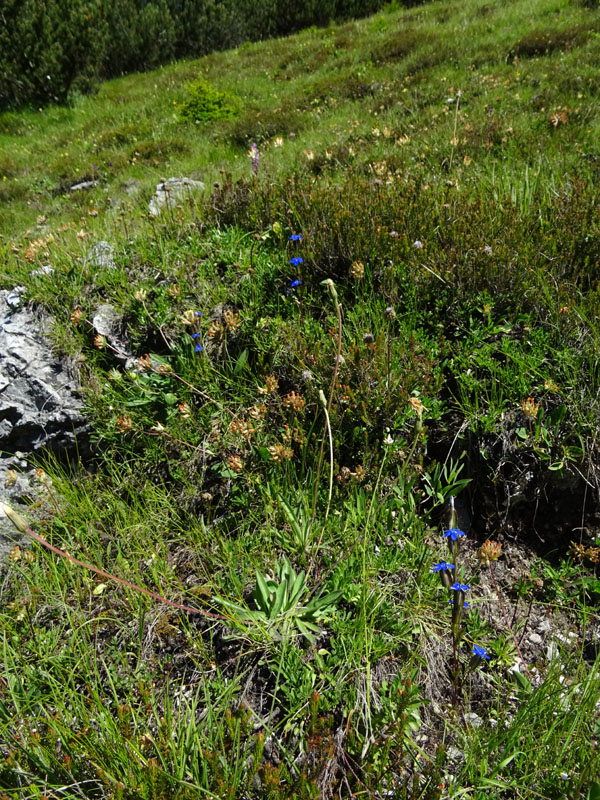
{"x":345,"y":423}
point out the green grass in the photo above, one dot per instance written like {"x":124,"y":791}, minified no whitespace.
{"x":462,"y":235}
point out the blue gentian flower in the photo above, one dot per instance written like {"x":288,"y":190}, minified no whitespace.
{"x":442,"y":566}
{"x":295,"y":283}
{"x":460,"y":587}
{"x":198,"y":349}
{"x":296,"y":261}
{"x":453,"y":534}
{"x":194,"y":335}
{"x":295,"y":237}
{"x":480,"y":651}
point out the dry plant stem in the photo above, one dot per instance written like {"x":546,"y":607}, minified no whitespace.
{"x":26,"y":529}
{"x":328,"y":407}
{"x":454,"y":133}
{"x":508,"y":625}
{"x":160,"y":330}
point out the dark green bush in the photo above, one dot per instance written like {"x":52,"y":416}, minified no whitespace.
{"x":52,"y":49}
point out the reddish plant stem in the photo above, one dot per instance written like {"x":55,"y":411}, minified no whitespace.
{"x":122,"y":581}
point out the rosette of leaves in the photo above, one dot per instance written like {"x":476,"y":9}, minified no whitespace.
{"x":283,"y":606}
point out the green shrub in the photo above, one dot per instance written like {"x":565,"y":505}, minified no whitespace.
{"x":206,"y":103}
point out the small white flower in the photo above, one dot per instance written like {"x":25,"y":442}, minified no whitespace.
{"x":418,"y":244}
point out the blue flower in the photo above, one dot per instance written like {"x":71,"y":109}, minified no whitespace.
{"x":480,"y":651}
{"x":194,"y":335}
{"x":442,"y":566}
{"x":295,"y":237}
{"x":198,"y":349}
{"x":295,"y":283}
{"x":453,"y":534}
{"x":460,"y":587}
{"x":464,"y":605}
{"x":296,"y":260}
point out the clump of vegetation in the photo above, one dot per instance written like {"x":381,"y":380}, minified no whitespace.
{"x":204,"y":103}
{"x":379,"y":325}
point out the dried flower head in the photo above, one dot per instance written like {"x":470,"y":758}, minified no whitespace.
{"x":216,"y":331}
{"x":550,"y":385}
{"x":241,"y":427}
{"x":174,"y":290}
{"x":271,"y":383}
{"x":489,"y":551}
{"x":530,"y":407}
{"x":279,"y":452}
{"x":10,"y":478}
{"x":357,"y":270}
{"x":123,"y":423}
{"x":184,"y":410}
{"x":145,"y":362}
{"x":76,"y":316}
{"x":231,"y":319}
{"x":140,"y":295}
{"x":416,"y":405}
{"x":258,"y":411}
{"x":235,"y":463}
{"x":99,"y":341}
{"x":295,"y":401}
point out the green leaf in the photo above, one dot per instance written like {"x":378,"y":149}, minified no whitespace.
{"x":262,"y":593}
{"x":594,"y":791}
{"x":277,"y":601}
{"x":241,"y":362}
{"x":521,"y":680}
{"x":521,"y":433}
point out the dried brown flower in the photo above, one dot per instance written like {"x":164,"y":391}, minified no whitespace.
{"x":530,"y":407}
{"x":279,"y":452}
{"x":295,"y":401}
{"x":123,"y":423}
{"x":489,"y":551}
{"x":235,"y":463}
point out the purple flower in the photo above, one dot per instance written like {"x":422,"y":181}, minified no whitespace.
{"x":480,"y":651}
{"x":453,"y":533}
{"x":255,"y":157}
{"x":295,"y":237}
{"x":296,"y":261}
{"x":295,"y":283}
{"x":442,"y":566}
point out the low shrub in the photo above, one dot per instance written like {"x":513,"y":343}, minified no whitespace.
{"x":206,"y":103}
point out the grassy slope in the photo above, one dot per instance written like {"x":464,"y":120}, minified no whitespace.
{"x":367,"y":148}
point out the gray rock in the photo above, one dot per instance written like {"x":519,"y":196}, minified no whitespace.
{"x":38,"y":406}
{"x":40,"y":409}
{"x":77,"y":187}
{"x":109,"y":323}
{"x":101,"y":255}
{"x":535,"y":638}
{"x":170,"y":192}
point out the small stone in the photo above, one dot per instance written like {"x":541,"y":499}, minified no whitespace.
{"x":535,"y":638}
{"x":101,"y":255}
{"x":168,"y":193}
